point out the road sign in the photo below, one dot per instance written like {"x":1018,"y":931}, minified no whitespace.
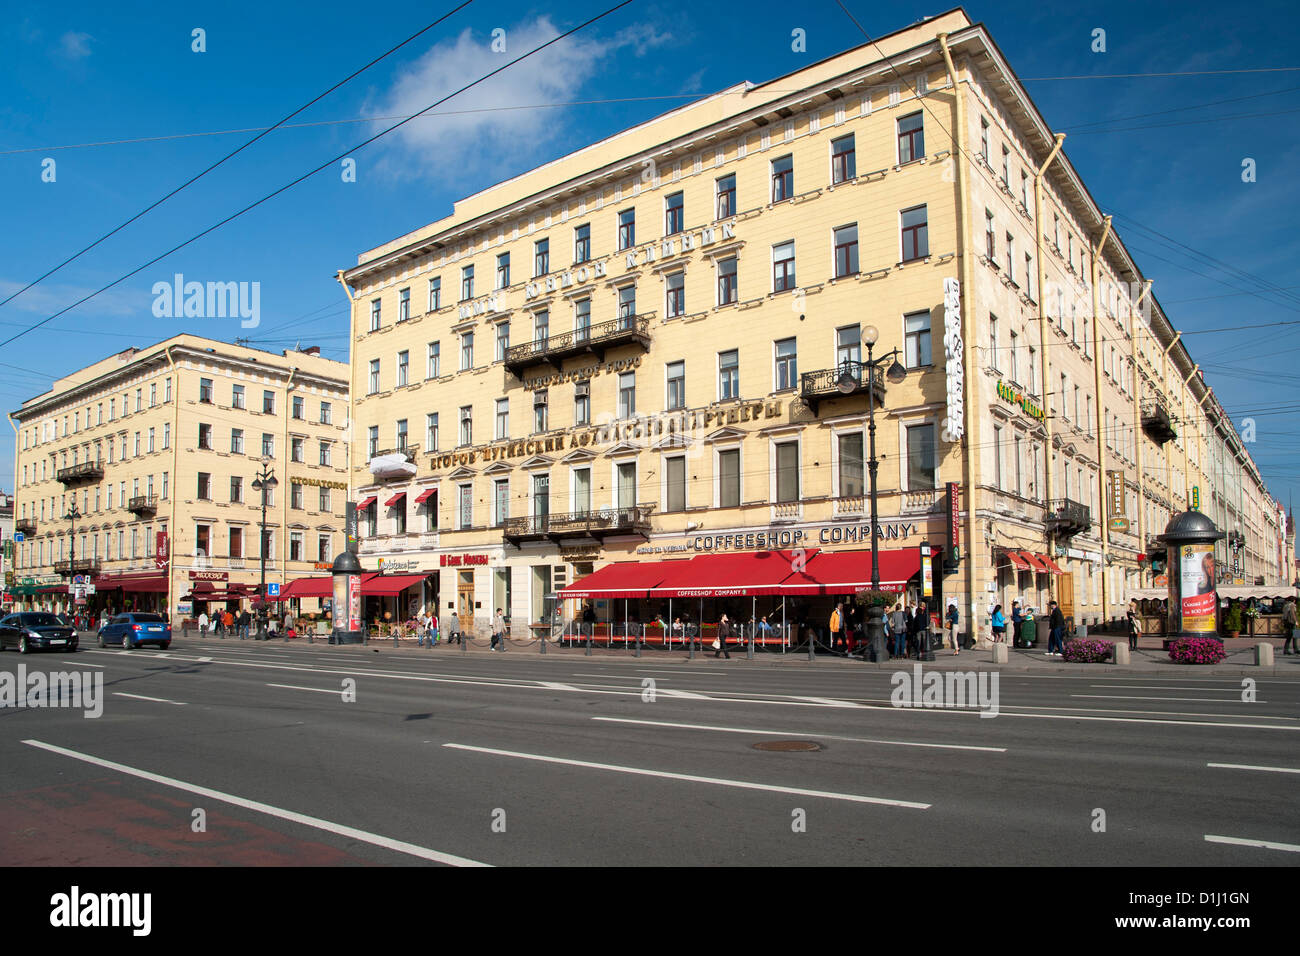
{"x":273,"y":590}
{"x":19,"y":536}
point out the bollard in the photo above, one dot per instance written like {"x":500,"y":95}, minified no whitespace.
{"x":1264,"y":654}
{"x":812,"y":640}
{"x":1080,"y":631}
{"x":750,"y":653}
{"x":1000,"y":653}
{"x":1121,"y":654}
{"x":394,"y":638}
{"x":690,"y":644}
{"x":460,"y":636}
{"x":589,"y":630}
{"x":543,"y":639}
{"x":638,"y":642}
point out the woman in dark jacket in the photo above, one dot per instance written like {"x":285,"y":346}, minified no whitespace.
{"x":724,"y":632}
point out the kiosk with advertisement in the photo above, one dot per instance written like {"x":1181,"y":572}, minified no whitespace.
{"x":1193,"y":577}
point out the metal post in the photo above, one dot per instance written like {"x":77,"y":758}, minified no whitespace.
{"x":589,"y":628}
{"x":753,"y":625}
{"x":875,"y":626}
{"x":785,"y":634}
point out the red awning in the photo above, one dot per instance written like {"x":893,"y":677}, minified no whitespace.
{"x":625,"y":579}
{"x":395,"y":499}
{"x":841,"y":572}
{"x":140,"y":582}
{"x":1035,"y":561}
{"x":308,"y":588}
{"x":389,"y":585}
{"x":1017,"y":562}
{"x":362,"y":506}
{"x":425,"y":495}
{"x":740,"y":574}
{"x":1049,"y":564}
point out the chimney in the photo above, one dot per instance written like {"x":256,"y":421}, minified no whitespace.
{"x":311,"y":350}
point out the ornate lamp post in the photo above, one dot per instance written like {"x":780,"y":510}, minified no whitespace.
{"x":72,"y":515}
{"x":264,"y":482}
{"x":848,"y":383}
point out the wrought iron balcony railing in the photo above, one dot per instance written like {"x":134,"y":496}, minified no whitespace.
{"x":1157,"y":423}
{"x":86,"y":471}
{"x":839,"y":382}
{"x":627,"y":330}
{"x":25,"y":525}
{"x":1066,"y":517}
{"x":79,"y":566}
{"x":143,"y":505}
{"x":578,"y":524}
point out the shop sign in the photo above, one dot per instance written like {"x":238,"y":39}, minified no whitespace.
{"x":459,"y":560}
{"x":160,"y":549}
{"x":399,"y":564}
{"x":1115,"y":495}
{"x":581,"y":374}
{"x":321,"y":483}
{"x":209,"y":575}
{"x":776,"y":540}
{"x":954,"y":522}
{"x":1015,"y":396}
{"x":954,"y":425}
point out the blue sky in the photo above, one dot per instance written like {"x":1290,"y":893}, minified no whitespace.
{"x":77,"y":73}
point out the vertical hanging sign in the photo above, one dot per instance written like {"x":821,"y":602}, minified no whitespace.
{"x":954,"y":523}
{"x":954,"y":426}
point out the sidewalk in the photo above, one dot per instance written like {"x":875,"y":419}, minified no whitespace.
{"x":1149,"y":658}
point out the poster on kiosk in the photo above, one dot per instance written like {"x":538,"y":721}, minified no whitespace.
{"x":1197,"y":577}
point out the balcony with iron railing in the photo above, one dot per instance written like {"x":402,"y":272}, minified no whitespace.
{"x":554,"y":349}
{"x":143,"y":505}
{"x":1066,"y":517}
{"x":1156,"y":422}
{"x":839,"y":382}
{"x":25,"y":526}
{"x":86,"y":471}
{"x":598,"y":523}
{"x":79,"y":566}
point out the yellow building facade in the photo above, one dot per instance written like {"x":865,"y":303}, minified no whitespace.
{"x":157,"y":449}
{"x":649,"y":349}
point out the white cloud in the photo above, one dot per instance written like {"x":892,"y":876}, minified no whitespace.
{"x":46,"y":299}
{"x":487,"y":122}
{"x":75,"y":46}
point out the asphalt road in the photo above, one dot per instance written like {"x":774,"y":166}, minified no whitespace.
{"x":517,"y":759}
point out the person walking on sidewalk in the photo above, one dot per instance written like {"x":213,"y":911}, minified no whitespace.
{"x":724,"y":632}
{"x":1289,"y":628}
{"x":999,"y":624}
{"x":898,"y":629}
{"x":837,"y":626}
{"x":1056,"y":626}
{"x":953,"y":619}
{"x":498,"y":631}
{"x":1134,"y":626}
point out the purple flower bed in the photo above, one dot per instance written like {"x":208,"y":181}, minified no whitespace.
{"x":1088,"y":651}
{"x":1196,"y":650}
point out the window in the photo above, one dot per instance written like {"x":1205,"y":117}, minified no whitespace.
{"x":911,"y":138}
{"x":435,"y":293}
{"x":236,"y":441}
{"x":844,"y":164}
{"x":787,"y":365}
{"x":626,"y":394}
{"x":676,"y":381}
{"x":581,"y":320}
{"x":434,"y":366}
{"x":325,"y":454}
{"x":503,"y":270}
{"x":503,"y":418}
{"x":916,"y":340}
{"x":465,"y":502}
{"x":466,"y":283}
{"x":916,"y":239}
{"x":993,"y":341}
{"x":296,"y":447}
{"x":149,"y":446}
{"x":466,"y":351}
{"x":787,"y":471}
{"x":990,"y":238}
{"x":236,"y":542}
{"x":541,"y":257}
{"x":1006,"y":167}
{"x":625,"y":485}
{"x":850,"y":465}
{"x":268,"y":402}
{"x":374,"y":377}
{"x":626,"y":306}
{"x":728,"y":375}
{"x":431,"y":431}
{"x":323,"y":499}
{"x":626,"y":229}
{"x":325,"y":413}
{"x":295,"y":545}
{"x":920,"y":457}
{"x":503,"y":339}
{"x":984,"y":139}
{"x":167,"y":439}
{"x":139,"y":401}
{"x":374,"y":315}
{"x":846,"y":251}
{"x":1024,"y":189}
{"x":541,"y":327}
{"x":372,"y":441}
{"x":1029,"y":275}
{"x":540,"y":407}
{"x":1011,"y":257}
{"x":783,"y":266}
{"x":674,"y":214}
{"x":466,"y":425}
{"x":202,"y":540}
{"x":295,"y":496}
{"x":1015,"y":358}
{"x":782,"y":178}
{"x":541,"y":496}
{"x":268,"y":445}
{"x":848,"y":346}
{"x":726,"y":191}
{"x":205,"y":391}
{"x":582,"y":403}
{"x":582,"y":244}
{"x":205,"y":486}
{"x":997,"y":457}
{"x":403,"y":305}
{"x":112,"y":408}
{"x":323,"y":549}
{"x":167,"y":389}
{"x":237,"y":396}
{"x":675,"y":285}
{"x":675,"y":479}
{"x":500,"y":501}
{"x":299,"y":407}
{"x":727,"y":291}
{"x":136,"y":452}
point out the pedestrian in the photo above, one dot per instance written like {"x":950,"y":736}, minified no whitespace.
{"x":245,"y":620}
{"x":1290,"y":629}
{"x":837,"y":626}
{"x":498,"y":631}
{"x":1016,"y":618}
{"x":764,"y":630}
{"x":898,"y":628}
{"x":724,"y":632}
{"x":1056,"y":629}
{"x":1135,"y":625}
{"x":922,"y":630}
{"x":203,"y":624}
{"x":953,"y":619}
{"x":999,"y":625}
{"x":290,"y":630}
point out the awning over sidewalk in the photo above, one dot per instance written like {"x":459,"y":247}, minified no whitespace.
{"x":843,"y":572}
{"x":319,"y":587}
{"x":1016,"y":560}
{"x":625,"y":579}
{"x":141,"y":582}
{"x":1049,"y":564}
{"x":742,"y":574}
{"x":388,"y":585}
{"x":425,"y":495}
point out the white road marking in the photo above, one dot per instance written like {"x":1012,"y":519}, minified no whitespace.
{"x":692,"y":778}
{"x":1262,"y":844}
{"x":1231,"y":689}
{"x":682,"y":669}
{"x":614,"y":676}
{"x":1185,"y":700}
{"x":1243,"y":766}
{"x":665,"y":692}
{"x":552,"y":685}
{"x":156,"y":700}
{"x":351,"y":833}
{"x":205,"y":660}
{"x":318,"y":690}
{"x":82,"y":663}
{"x":827,"y":701}
{"x":796,"y":733}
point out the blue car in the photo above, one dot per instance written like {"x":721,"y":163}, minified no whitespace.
{"x":136,"y":630}
{"x":36,"y":631}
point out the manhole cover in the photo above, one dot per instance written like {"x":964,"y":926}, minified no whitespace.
{"x":786,"y":746}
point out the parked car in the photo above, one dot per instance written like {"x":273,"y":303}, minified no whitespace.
{"x":135,"y":630}
{"x":36,"y":631}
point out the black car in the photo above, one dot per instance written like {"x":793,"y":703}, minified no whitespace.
{"x":36,"y":631}
{"x":136,"y":630}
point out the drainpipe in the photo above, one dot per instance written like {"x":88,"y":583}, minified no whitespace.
{"x":1137,"y":417}
{"x":14,"y":562}
{"x":352,"y":389}
{"x":1042,"y":339}
{"x":1101,"y":443}
{"x":965,"y":254}
{"x":176,"y":447}
{"x":1187,"y":438}
{"x":288,"y":485}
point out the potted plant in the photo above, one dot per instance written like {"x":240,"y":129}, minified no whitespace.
{"x":1251,"y":614}
{"x":1232,"y":620}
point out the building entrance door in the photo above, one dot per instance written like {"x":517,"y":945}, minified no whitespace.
{"x":1065,"y":594}
{"x":465,"y":601}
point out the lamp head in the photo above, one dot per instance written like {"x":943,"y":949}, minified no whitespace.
{"x":896,"y":373}
{"x":869,"y":335}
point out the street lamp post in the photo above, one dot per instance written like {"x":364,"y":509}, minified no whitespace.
{"x":72,"y":515}
{"x":264,"y":482}
{"x":848,"y":382}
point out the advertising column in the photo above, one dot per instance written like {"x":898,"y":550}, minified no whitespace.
{"x":1197,"y":584}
